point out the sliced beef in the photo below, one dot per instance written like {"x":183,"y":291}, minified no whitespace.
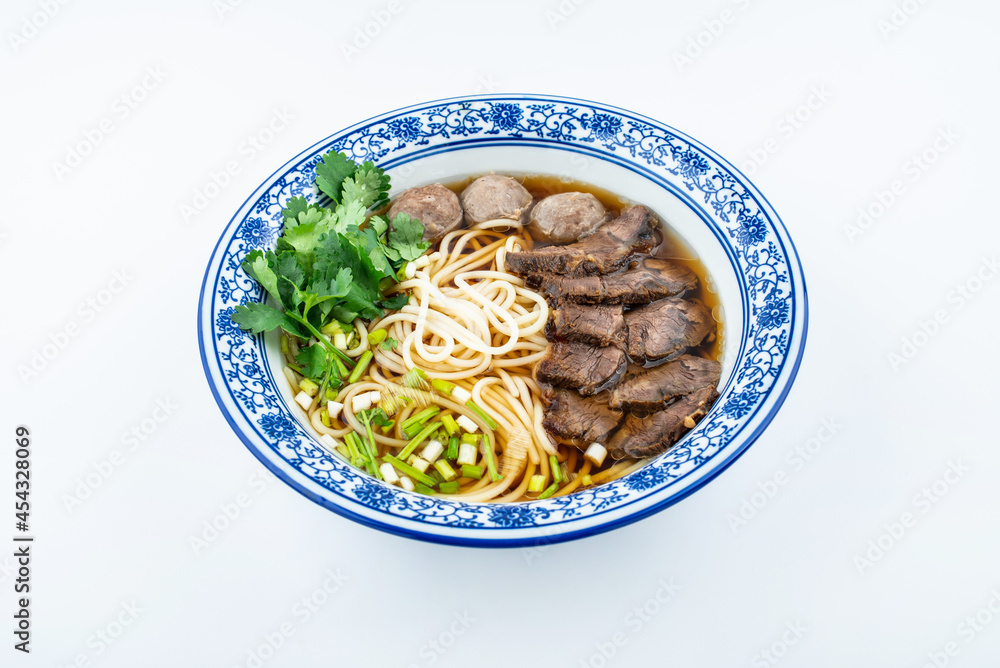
{"x":666,"y":328}
{"x":600,"y":325}
{"x":648,"y":281}
{"x":566,"y":217}
{"x":435,"y":206}
{"x":581,"y":367}
{"x":604,"y":252}
{"x":646,"y":390}
{"x":645,"y":437}
{"x":578,"y":420}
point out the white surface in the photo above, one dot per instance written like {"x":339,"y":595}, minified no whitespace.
{"x":737,"y":592}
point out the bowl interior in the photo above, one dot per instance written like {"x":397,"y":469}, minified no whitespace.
{"x":674,"y":209}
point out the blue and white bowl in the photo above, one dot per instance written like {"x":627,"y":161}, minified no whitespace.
{"x":721,"y":215}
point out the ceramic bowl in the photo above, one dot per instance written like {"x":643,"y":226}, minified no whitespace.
{"x":715,"y":209}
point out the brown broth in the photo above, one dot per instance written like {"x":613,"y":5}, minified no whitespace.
{"x":671,"y":247}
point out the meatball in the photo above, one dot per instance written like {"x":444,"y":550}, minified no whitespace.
{"x":493,"y":197}
{"x":567,"y":217}
{"x":435,"y":206}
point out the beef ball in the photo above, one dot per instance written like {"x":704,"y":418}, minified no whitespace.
{"x":435,"y":206}
{"x":495,"y":197}
{"x":567,"y":217}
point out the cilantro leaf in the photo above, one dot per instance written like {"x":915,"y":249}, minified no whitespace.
{"x":257,"y":265}
{"x":293,"y":208}
{"x":389,"y":344}
{"x":377,"y":417}
{"x":364,"y":290}
{"x":331,"y":172}
{"x":291,"y":277}
{"x":396,"y":301}
{"x":369,"y":185}
{"x":406,"y":237}
{"x":349,"y":215}
{"x":313,"y":360}
{"x":379,"y":224}
{"x":262,"y":318}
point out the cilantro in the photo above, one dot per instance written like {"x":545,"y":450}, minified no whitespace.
{"x":406,"y":237}
{"x":369,"y":185}
{"x":313,"y":360}
{"x":396,"y":302}
{"x":331,"y":172}
{"x":293,"y":208}
{"x":332,"y":263}
{"x":259,"y":318}
{"x":377,"y":417}
{"x":389,"y":344}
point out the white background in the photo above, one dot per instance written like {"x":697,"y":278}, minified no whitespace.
{"x":796,"y":560}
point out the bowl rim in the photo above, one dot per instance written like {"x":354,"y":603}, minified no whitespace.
{"x":775,"y":395}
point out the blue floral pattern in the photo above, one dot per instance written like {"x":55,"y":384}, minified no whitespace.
{"x":603,"y":127}
{"x":405,"y":129}
{"x":224,"y":325}
{"x":257,"y":233}
{"x":751,"y":230}
{"x":758,"y":253}
{"x":504,"y":116}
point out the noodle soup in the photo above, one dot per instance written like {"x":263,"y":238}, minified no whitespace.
{"x":541,"y":337}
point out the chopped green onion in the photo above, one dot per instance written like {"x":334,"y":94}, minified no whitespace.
{"x":309,"y":386}
{"x":418,"y":463}
{"x":366,"y":419}
{"x":445,"y":469}
{"x":438,"y":478}
{"x":363,"y":453}
{"x":449,"y":424}
{"x":466,"y":453}
{"x":409,"y":470}
{"x":557,"y":477}
{"x":330,"y":395}
{"x":324,"y":416}
{"x":470,"y":471}
{"x":284,"y":345}
{"x":387,"y":426}
{"x":332,"y":327}
{"x":342,"y":371}
{"x":418,"y":439}
{"x":491,"y":459}
{"x":420,"y":418}
{"x":442,"y":386}
{"x":552,"y":489}
{"x":377,"y":337}
{"x":537,"y":483}
{"x":482,"y":414}
{"x":420,"y":488}
{"x":452,"y":453}
{"x":450,"y":487}
{"x":360,"y":367}
{"x":415,"y":378}
{"x":470,"y":438}
{"x":353,"y":448}
{"x":587,"y":480}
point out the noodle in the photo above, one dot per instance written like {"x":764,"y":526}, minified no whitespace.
{"x":470,"y":323}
